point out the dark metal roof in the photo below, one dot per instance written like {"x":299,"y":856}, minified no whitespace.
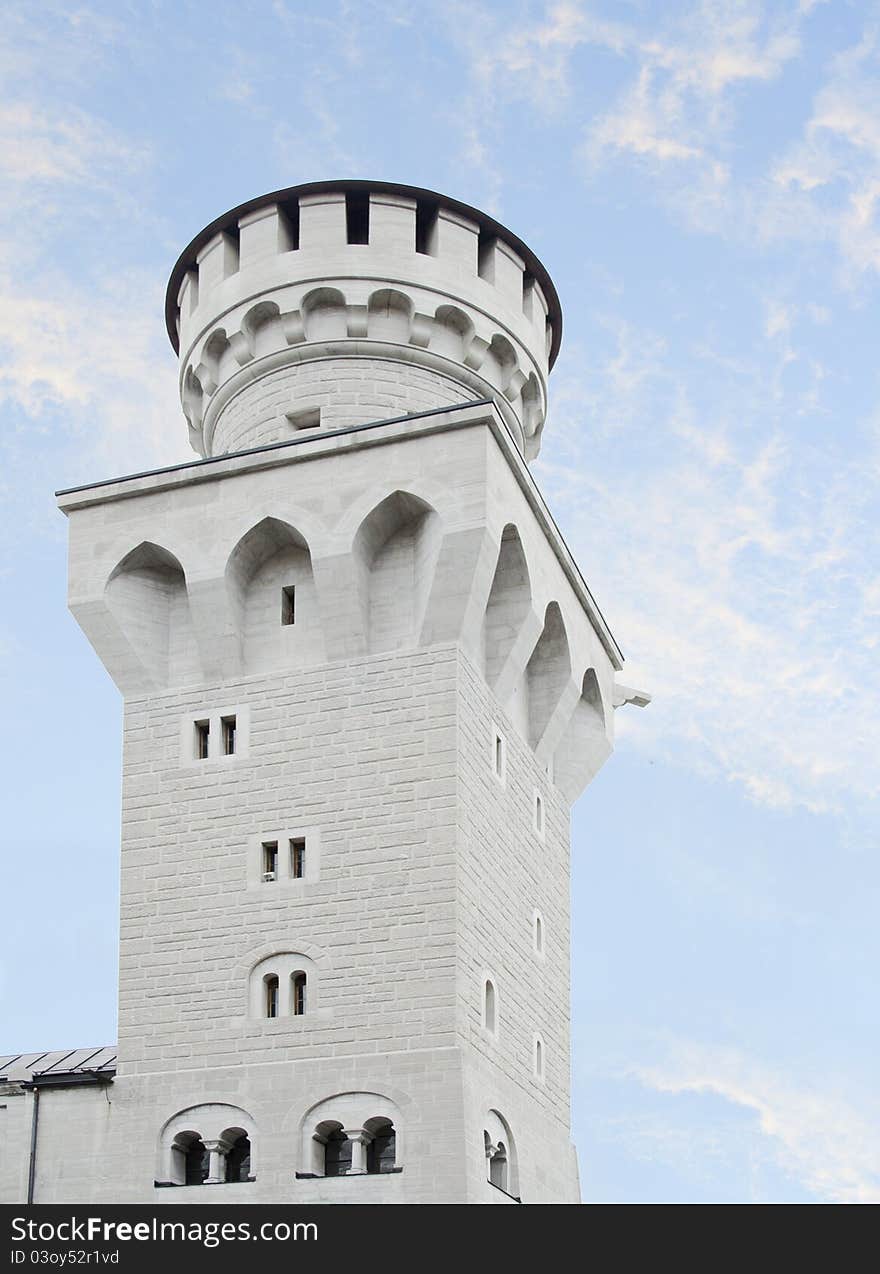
{"x":65,"y":1064}
{"x":186,"y":260}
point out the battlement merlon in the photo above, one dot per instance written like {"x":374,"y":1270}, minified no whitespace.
{"x":432,"y":300}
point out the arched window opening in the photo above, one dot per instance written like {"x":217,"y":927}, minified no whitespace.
{"x":221,"y":1149}
{"x":500,"y":1150}
{"x":270,"y":983}
{"x":198,"y":1162}
{"x":238,"y":1159}
{"x":539,"y":1057}
{"x":498,"y":1167}
{"x":337,"y":1153}
{"x":489,"y":1010}
{"x":381,"y":1150}
{"x":298,"y":993}
{"x":539,"y":934}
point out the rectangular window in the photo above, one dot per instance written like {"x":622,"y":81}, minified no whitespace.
{"x":426,"y":228}
{"x":309,"y":418}
{"x":298,"y":858}
{"x":203,"y":731}
{"x":357,"y":216}
{"x":228,"y":726}
{"x":270,"y":860}
{"x":288,"y":604}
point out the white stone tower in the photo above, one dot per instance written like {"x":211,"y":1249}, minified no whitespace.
{"x":364,"y":681}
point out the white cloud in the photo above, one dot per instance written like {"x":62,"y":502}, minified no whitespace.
{"x":731,"y":560}
{"x":675,"y":108}
{"x":819,"y":1137}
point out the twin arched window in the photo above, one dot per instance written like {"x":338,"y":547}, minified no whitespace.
{"x":281,"y":986}
{"x":206,"y":1145}
{"x":344,"y":1152}
{"x":351,"y":1134}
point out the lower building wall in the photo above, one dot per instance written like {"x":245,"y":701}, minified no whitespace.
{"x":103,"y":1143}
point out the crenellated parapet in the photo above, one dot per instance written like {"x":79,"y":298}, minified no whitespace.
{"x":326,"y":305}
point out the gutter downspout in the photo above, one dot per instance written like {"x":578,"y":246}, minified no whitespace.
{"x":32,"y":1164}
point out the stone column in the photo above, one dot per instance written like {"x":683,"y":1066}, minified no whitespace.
{"x":359,"y":1141}
{"x":216,"y":1162}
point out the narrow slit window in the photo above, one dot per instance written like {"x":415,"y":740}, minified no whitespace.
{"x":291,"y":216}
{"x":288,"y":605}
{"x":299,"y":994}
{"x":357,"y":216}
{"x":539,"y":935}
{"x":539,"y":814}
{"x":426,"y":228}
{"x":528,"y":293}
{"x":539,"y":1059}
{"x":499,"y":756}
{"x":270,"y":860}
{"x":489,"y":1014}
{"x":203,"y":732}
{"x":229,"y":728}
{"x":485,"y":258}
{"x":298,"y":858}
{"x":270,"y":984}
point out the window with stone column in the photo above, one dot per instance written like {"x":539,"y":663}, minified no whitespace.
{"x":351,"y":1135}
{"x":212,"y":1144}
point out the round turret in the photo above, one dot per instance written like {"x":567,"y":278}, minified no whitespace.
{"x":338,"y":303}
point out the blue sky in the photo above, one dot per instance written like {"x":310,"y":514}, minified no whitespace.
{"x":703,"y":183}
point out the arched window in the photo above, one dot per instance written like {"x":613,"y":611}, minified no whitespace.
{"x":500,"y":1152}
{"x":238,"y":1158}
{"x":197,"y":1160}
{"x":351,"y":1134}
{"x":270,"y":982}
{"x":298,"y":993}
{"x":490,"y":1016}
{"x":539,"y":1058}
{"x":539,"y":934}
{"x":381,"y":1149}
{"x":337,"y":1153}
{"x":206,"y":1145}
{"x":277,"y":986}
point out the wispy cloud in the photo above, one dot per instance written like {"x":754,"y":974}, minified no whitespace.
{"x":732,"y":557}
{"x":817,"y":1135}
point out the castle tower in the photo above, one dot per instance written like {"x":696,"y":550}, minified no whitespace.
{"x":364,"y":682}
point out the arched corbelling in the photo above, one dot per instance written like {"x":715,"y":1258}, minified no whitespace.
{"x":500,"y":362}
{"x":532,"y":407}
{"x":261,"y":328}
{"x":395,"y":550}
{"x":547,"y":672}
{"x":508,"y":604}
{"x":192,"y":399}
{"x":389,"y":316}
{"x":147,"y":595}
{"x":452,"y":332}
{"x":585,"y":745}
{"x":324,"y":314}
{"x":212,"y":356}
{"x":271,"y":557}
